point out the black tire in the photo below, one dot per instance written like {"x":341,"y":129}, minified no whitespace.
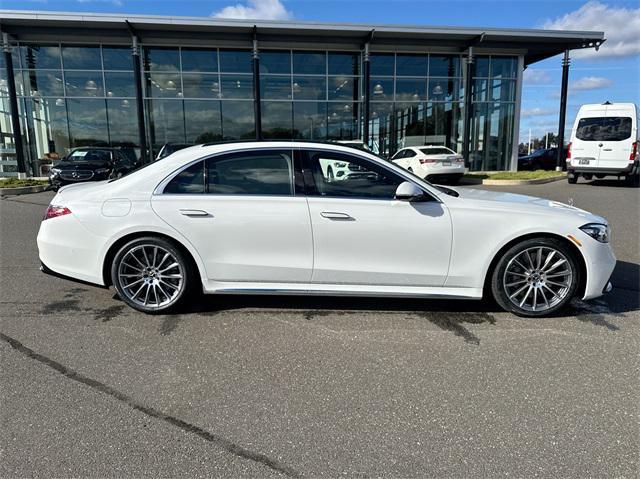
{"x":535,"y":281}
{"x":572,"y":179}
{"x":633,"y":180}
{"x":126,"y":277}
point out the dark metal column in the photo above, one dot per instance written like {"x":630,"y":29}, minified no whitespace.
{"x":13,"y":105}
{"x":366,"y":83}
{"x":257,"y":106}
{"x":142,"y":131}
{"x":466,"y":131}
{"x":563,"y":109}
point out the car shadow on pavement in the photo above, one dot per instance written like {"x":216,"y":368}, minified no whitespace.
{"x":608,"y":182}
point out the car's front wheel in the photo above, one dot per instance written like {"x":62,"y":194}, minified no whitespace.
{"x":536,"y":277}
{"x":151,"y":275}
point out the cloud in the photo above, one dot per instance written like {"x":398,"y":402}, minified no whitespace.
{"x":530,"y":112}
{"x":620,"y":26}
{"x":256,"y":9}
{"x":590,"y":83}
{"x":535,"y":76}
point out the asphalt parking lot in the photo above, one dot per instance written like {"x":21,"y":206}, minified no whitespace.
{"x":277,"y":386}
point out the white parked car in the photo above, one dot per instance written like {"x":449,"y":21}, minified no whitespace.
{"x":264,"y":218}
{"x":434,"y":163}
{"x":604,"y":142}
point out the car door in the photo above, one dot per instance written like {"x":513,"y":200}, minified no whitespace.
{"x":363,"y":235}
{"x":241,"y":212}
{"x":616,"y":139}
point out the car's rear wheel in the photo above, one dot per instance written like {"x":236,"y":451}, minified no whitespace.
{"x":151,"y":274}
{"x":536,"y":277}
{"x":572,"y":178}
{"x":633,"y":180}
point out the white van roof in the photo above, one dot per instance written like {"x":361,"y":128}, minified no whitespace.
{"x":604,"y":107}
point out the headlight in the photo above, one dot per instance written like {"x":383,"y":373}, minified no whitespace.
{"x":55,"y":171}
{"x":598,"y":231}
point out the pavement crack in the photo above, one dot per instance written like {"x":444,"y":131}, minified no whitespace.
{"x":219,"y":441}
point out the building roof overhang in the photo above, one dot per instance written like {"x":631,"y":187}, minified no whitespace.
{"x":535,"y":45}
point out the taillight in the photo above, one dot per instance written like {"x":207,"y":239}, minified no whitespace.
{"x":634,"y":151}
{"x":55,"y":211}
{"x":569,"y":151}
{"x":426,"y":160}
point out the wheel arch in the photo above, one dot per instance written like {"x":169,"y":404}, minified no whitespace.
{"x":116,"y":245}
{"x":572,"y":247}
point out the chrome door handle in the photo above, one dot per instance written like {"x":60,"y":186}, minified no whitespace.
{"x":334,"y":215}
{"x":607,"y":149}
{"x":194,"y":213}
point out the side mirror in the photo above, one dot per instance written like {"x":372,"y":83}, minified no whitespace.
{"x":408,"y":191}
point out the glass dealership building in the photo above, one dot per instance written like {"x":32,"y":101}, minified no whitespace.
{"x":143,"y":81}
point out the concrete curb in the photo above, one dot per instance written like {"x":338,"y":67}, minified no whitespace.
{"x":490,"y":182}
{"x":22,"y":190}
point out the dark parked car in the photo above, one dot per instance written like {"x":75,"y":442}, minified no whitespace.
{"x":92,"y":164}
{"x":169,"y":148}
{"x":544,"y":159}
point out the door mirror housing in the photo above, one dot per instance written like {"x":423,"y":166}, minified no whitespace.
{"x":408,"y":191}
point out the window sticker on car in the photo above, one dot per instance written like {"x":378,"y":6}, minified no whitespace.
{"x":79,"y":154}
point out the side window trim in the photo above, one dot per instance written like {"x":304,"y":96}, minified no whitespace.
{"x":160,"y":189}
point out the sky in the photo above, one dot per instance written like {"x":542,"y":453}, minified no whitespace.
{"x":611,"y":74}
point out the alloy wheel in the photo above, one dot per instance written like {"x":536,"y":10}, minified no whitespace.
{"x":538,"y":278}
{"x":150,"y":276}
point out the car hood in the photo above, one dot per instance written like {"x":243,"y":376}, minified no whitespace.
{"x":525,"y":204}
{"x":85,"y":165}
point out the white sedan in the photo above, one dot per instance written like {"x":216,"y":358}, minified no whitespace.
{"x":264,"y":218}
{"x":433,"y":163}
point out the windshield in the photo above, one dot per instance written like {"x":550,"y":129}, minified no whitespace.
{"x":437,"y":151}
{"x":84,"y":156}
{"x":611,"y":128}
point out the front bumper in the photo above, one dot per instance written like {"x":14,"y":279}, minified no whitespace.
{"x":600,"y":263}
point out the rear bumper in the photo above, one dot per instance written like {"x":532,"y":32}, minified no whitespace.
{"x":629,"y":168}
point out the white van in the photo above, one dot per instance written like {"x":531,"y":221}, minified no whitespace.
{"x":604,"y":142}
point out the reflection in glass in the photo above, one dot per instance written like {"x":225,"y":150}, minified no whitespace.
{"x":237,"y":86}
{"x":199,"y":60}
{"x":444,"y":66}
{"x":202,"y":121}
{"x":503,"y":90}
{"x":83,"y":83}
{"x":309,"y":88}
{"x":504,"y":67}
{"x":343,"y":88}
{"x":43,"y":83}
{"x":443,"y":125}
{"x":310,"y":63}
{"x":123,"y":123}
{"x":238,"y":120}
{"x":163,"y":85}
{"x":201,"y":85}
{"x":117,"y":58}
{"x":481,"y":67}
{"x":275,"y":62}
{"x":382,"y":64}
{"x":342,"y":120}
{"x":275,"y":87}
{"x":87,"y":122}
{"x":344,"y":63}
{"x":310,"y":120}
{"x":380,"y":125}
{"x":411,"y":65}
{"x":46,"y":132}
{"x":277,"y":120}
{"x":480,"y":90}
{"x":410,"y":124}
{"x":411,"y":89}
{"x":381,"y":89}
{"x":120,"y":84}
{"x":443,"y":89}
{"x":235,"y":61}
{"x":81,"y":58}
{"x":166,"y":122}
{"x":40,"y":56}
{"x":161,"y":59}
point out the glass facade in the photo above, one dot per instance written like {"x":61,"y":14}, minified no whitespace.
{"x":71,"y":95}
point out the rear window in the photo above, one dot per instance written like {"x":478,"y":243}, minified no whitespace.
{"x":436,"y":151}
{"x":611,"y":128}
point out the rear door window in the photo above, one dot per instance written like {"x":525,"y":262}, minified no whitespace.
{"x":612,"y":128}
